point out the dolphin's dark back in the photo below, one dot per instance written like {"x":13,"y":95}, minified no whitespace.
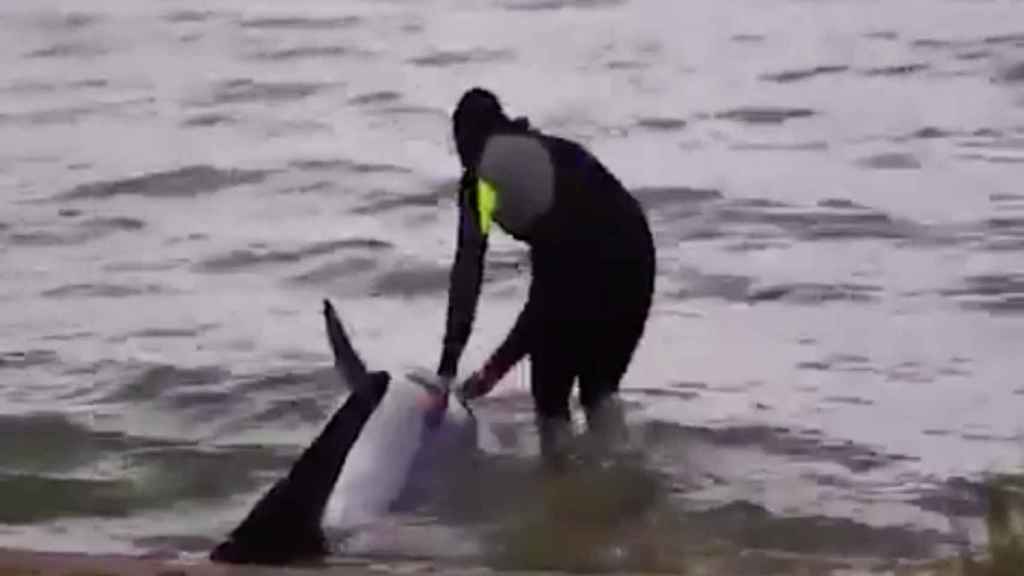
{"x":285,"y":524}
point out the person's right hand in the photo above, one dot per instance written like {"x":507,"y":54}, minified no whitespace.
{"x":478,"y":384}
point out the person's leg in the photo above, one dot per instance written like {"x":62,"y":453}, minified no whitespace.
{"x":599,"y":386}
{"x":614,"y":333}
{"x":553,"y":345}
{"x":552,"y":375}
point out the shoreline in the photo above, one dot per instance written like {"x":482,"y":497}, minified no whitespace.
{"x":23,"y":562}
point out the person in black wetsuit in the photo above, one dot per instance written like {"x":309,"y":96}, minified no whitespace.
{"x":592,"y":260}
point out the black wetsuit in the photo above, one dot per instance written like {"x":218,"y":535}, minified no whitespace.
{"x":593,"y":266}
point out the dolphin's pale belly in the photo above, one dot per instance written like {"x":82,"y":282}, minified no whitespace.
{"x":397,"y":458}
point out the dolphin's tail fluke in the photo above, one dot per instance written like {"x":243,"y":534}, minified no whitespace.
{"x":285,"y":524}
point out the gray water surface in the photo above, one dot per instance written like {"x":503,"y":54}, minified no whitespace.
{"x":832,"y":364}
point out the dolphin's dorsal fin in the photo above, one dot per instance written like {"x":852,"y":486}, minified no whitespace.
{"x":346,"y":359}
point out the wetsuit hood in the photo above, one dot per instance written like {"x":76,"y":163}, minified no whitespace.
{"x":477,"y":115}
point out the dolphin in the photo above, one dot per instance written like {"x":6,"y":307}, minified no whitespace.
{"x":386,"y":449}
{"x":285,"y":524}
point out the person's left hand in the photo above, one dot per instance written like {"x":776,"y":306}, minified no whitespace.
{"x":478,"y":384}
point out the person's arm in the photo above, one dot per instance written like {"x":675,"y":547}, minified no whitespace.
{"x":505,"y":356}
{"x":516,"y":343}
{"x":465,"y":278}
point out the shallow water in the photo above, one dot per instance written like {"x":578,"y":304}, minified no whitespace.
{"x":831,"y":366}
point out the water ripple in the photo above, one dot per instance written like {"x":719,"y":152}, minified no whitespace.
{"x":80,"y":232}
{"x":329,"y":273}
{"x":27,"y":359}
{"x":188,"y":16}
{"x":301,"y":23}
{"x":372,"y":98}
{"x":554,"y":5}
{"x":1013,"y":73}
{"x":245,"y":90}
{"x":816,"y":293}
{"x":182,"y":182}
{"x":781,"y":440}
{"x":103,"y":290}
{"x":996,"y":293}
{"x":412,"y":281}
{"x":764,"y":114}
{"x":310,"y":52}
{"x":351,"y":166}
{"x":442,"y":59}
{"x":387,"y":202}
{"x":661,"y":124}
{"x":896,"y":70}
{"x":237,"y":260}
{"x":68,"y":50}
{"x":890,"y":161}
{"x":798,"y":75}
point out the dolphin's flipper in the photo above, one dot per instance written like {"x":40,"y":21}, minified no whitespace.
{"x":285,"y":524}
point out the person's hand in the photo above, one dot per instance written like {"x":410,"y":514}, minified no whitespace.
{"x":429,"y":381}
{"x":434,"y":401}
{"x":478,"y":384}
